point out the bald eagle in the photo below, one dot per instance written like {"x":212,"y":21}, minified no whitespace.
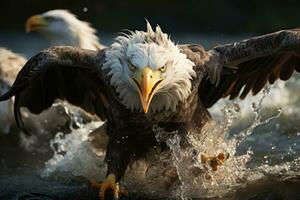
{"x":61,"y":27}
{"x":144,"y":80}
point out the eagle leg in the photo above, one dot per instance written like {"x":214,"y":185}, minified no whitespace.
{"x":117,"y":157}
{"x":109,"y":186}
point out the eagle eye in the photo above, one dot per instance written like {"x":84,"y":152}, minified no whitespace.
{"x":162,"y":69}
{"x":49,"y":18}
{"x":132,"y":67}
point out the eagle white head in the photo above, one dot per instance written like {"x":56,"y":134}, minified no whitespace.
{"x":63,"y":28}
{"x":148,"y":71}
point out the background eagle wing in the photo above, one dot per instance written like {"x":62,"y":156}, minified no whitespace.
{"x":236,"y":69}
{"x":66,"y":73}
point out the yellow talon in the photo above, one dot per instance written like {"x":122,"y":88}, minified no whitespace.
{"x":109,"y":184}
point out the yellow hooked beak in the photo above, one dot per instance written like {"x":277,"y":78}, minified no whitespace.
{"x":35,"y":22}
{"x":147,"y":82}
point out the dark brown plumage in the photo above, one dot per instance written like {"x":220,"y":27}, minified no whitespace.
{"x":79,"y":77}
{"x":251,"y":64}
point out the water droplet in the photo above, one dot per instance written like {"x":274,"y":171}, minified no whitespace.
{"x":85,"y":9}
{"x":253,"y":106}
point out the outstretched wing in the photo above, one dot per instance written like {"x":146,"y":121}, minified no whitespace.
{"x":66,"y":73}
{"x":238,"y":68}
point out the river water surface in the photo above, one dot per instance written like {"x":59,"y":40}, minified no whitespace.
{"x":261,"y":135}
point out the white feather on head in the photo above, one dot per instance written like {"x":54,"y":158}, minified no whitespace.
{"x":65,"y":29}
{"x":153,"y":49}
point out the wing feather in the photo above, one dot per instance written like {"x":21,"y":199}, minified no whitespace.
{"x":249,"y":65}
{"x":65,"y":73}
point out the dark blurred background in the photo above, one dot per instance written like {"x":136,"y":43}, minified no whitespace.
{"x":187,"y":21}
{"x":196,"y":16}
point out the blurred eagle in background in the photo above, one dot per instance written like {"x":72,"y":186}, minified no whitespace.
{"x":10,"y":65}
{"x":144,"y":80}
{"x":61,"y":27}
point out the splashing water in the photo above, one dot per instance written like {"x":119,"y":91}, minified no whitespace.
{"x":255,"y":153}
{"x":73,"y":155}
{"x":174,"y":144}
{"x":213,"y":140}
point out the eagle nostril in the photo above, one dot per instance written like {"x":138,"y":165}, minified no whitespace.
{"x":151,"y":76}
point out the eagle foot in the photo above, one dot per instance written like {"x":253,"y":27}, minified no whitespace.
{"x":215,"y":161}
{"x":109,"y":187}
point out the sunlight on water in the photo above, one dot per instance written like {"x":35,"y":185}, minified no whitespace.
{"x":202,"y":168}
